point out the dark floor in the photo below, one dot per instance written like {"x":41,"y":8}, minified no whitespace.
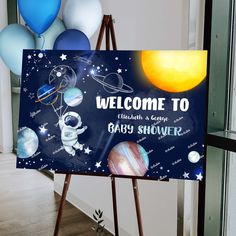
{"x":28,"y":205}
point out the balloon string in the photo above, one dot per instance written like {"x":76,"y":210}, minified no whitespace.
{"x":61,"y":105}
{"x":65,"y":110}
{"x":42,"y":36}
{"x":55,"y":110}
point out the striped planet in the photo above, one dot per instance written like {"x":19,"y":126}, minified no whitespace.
{"x":129,"y":159}
{"x":73,"y":97}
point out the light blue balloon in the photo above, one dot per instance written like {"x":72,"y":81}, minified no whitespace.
{"x":39,"y":14}
{"x":13,"y":39}
{"x":47,"y":39}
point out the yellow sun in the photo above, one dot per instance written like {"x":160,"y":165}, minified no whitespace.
{"x":175,"y":71}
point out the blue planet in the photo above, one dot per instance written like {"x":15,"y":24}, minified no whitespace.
{"x":47,"y":94}
{"x":73,"y":97}
{"x":27,"y":143}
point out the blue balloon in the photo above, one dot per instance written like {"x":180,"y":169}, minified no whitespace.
{"x":13,"y":39}
{"x":39,"y":14}
{"x":48,"y":38}
{"x":72,"y":40}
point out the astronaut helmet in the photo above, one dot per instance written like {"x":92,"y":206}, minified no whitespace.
{"x":72,"y":119}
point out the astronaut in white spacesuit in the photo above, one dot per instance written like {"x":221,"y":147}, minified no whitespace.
{"x":70,"y":125}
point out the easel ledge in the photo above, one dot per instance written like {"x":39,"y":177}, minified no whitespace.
{"x":108,"y":27}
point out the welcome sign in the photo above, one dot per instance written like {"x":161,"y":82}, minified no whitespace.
{"x":126,"y":113}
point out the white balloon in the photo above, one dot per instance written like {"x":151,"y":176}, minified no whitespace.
{"x":83,"y":15}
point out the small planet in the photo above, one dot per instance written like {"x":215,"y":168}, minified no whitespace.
{"x":73,"y":97}
{"x":47,"y":94}
{"x":27,"y":143}
{"x":128,"y":158}
{"x":113,"y":83}
{"x":62,"y":77}
{"x":194,"y":157}
{"x":40,"y":55}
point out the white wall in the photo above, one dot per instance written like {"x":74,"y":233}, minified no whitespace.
{"x":152,"y":24}
{"x":6,"y":138}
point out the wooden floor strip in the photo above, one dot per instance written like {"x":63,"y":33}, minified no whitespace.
{"x":28,"y":205}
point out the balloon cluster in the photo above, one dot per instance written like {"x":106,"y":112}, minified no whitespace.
{"x":62,"y":81}
{"x":44,"y":30}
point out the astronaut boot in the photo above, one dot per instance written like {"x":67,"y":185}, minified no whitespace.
{"x":70,"y":150}
{"x":78,"y":146}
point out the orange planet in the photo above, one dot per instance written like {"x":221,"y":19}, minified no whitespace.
{"x":175,"y":71}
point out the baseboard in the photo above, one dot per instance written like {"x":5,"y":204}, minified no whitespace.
{"x":6,"y":150}
{"x":85,"y":208}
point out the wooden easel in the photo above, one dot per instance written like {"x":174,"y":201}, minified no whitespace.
{"x":108,"y":27}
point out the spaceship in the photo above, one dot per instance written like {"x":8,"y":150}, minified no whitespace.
{"x":83,"y":60}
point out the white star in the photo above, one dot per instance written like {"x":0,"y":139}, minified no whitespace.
{"x":43,"y":130}
{"x":199,"y":176}
{"x":98,"y":164}
{"x":25,"y":90}
{"x":31,"y":96}
{"x":119,"y":71}
{"x":40,"y":55}
{"x":186,"y":175}
{"x":116,"y":58}
{"x":87,"y":150}
{"x":58,"y":74}
{"x":63,"y":57}
{"x":29,"y":57}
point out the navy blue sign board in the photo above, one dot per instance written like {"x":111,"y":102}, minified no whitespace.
{"x":128,"y":113}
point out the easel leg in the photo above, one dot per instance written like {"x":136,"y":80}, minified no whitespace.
{"x":137,"y":205}
{"x":107,"y":38}
{"x":62,"y":203}
{"x":113,"y":186}
{"x":104,"y":24}
{"x":113,"y":37}
{"x":201,"y":207}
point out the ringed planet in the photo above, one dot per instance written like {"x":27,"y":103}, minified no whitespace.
{"x":47,"y":94}
{"x":175,"y":71}
{"x":113,"y":83}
